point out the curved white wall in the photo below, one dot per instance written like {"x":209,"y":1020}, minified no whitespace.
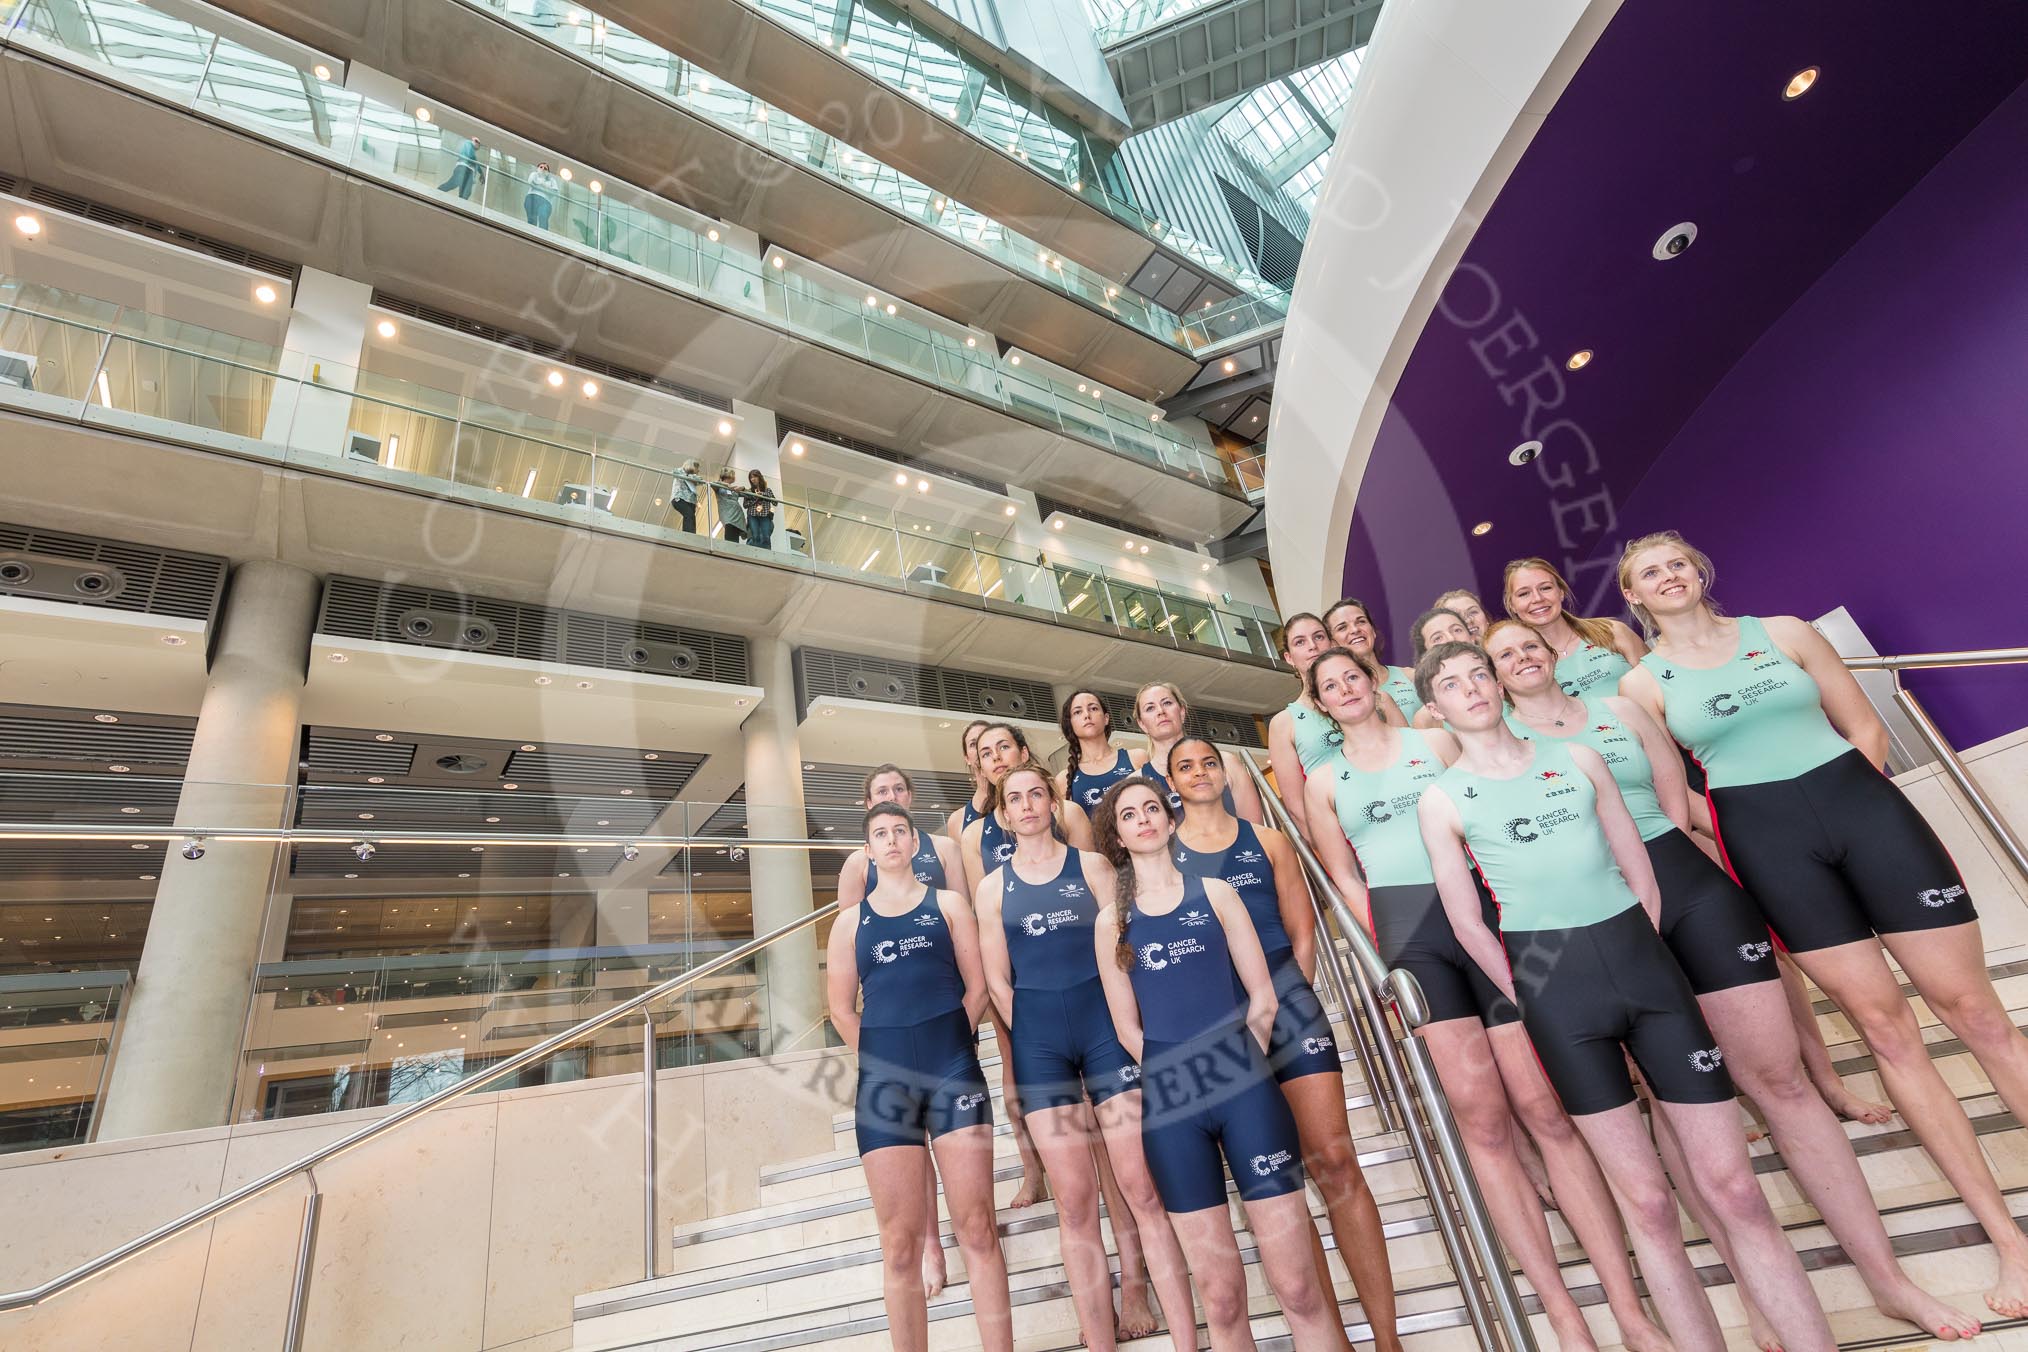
{"x":1449,"y":96}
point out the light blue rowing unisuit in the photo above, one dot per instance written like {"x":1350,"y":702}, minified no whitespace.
{"x":1621,"y":750}
{"x":1753,"y":719}
{"x":1316,"y":736}
{"x":1588,"y":668}
{"x":1400,"y":685}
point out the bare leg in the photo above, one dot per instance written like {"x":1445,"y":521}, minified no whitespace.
{"x":1768,"y":1268}
{"x":1034,"y":1184}
{"x":1065,"y":1144}
{"x":894,"y":1178}
{"x":934,"y":1270}
{"x":1119,"y":1119}
{"x":1628,"y":1159}
{"x":1282,"y":1229}
{"x":1757,"y":1326}
{"x":1531,"y":1163}
{"x":1213,"y":1250}
{"x":1817,"y":1056}
{"x":965,"y":1158}
{"x":1856,"y":975}
{"x":1753,"y":1028}
{"x":1137,"y":1316}
{"x":1318,"y":1102}
{"x":1582,"y":1195}
{"x":1471,"y":1080}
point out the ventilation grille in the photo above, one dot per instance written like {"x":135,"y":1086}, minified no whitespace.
{"x":345,"y":756}
{"x":663,"y":777}
{"x":790,"y":427}
{"x":356,"y":608}
{"x":449,"y":861}
{"x":74,"y":205}
{"x":1276,"y":252}
{"x":79,"y":740}
{"x":1051,"y":507}
{"x":158,"y":581}
{"x":821,"y":672}
{"x":1229,"y":726}
{"x":51,"y":861}
{"x":523,"y":343}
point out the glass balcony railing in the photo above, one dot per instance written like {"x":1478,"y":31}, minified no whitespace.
{"x":641,"y":63}
{"x":287,"y":97}
{"x":1251,"y":467}
{"x":917,"y":64}
{"x":85,"y":360}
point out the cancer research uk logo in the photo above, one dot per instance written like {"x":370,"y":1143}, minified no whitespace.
{"x":1706,"y":1059}
{"x":1518,"y":832}
{"x":1940,"y":896}
{"x":967,"y":1102}
{"x":1756,"y":951}
{"x":1313,"y":1045}
{"x":1034,"y":924}
{"x":1130,"y":1074}
{"x":1152,"y":959}
{"x":1267,"y":1166}
{"x":884,"y":951}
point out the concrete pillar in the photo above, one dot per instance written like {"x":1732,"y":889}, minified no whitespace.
{"x":758,"y":445}
{"x":320,"y":352}
{"x":781,"y":878}
{"x":178,"y":1055}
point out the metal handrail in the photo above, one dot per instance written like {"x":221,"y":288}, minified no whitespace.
{"x":1425,"y":1113}
{"x":92,"y":1267}
{"x":1946,"y":754}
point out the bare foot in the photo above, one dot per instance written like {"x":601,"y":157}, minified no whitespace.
{"x":1034,"y":1188}
{"x":1137,"y":1316}
{"x":1916,"y":1306}
{"x":1763,"y":1334}
{"x":1855,"y":1109}
{"x":1643,"y":1334}
{"x":2009,"y":1296}
{"x":934,"y":1273}
{"x":1572,"y":1333}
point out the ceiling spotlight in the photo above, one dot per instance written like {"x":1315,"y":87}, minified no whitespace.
{"x":366,"y":816}
{"x":584,"y":685}
{"x":1144,"y":549}
{"x":1484,"y":527}
{"x":1230,"y":366}
{"x":1009,"y":509}
{"x":564,"y":173}
{"x":130,"y":811}
{"x":901,"y":479}
{"x":1578,"y":360}
{"x":376,"y":779}
{"x":336,"y":657}
{"x":630,"y":852}
{"x":363,"y":851}
{"x":1674,"y":241}
{"x":1056,"y":524}
{"x":779,"y":262}
{"x":712,"y":234}
{"x":117,"y":769}
{"x":193,"y":848}
{"x":590,"y":389}
{"x":651,"y":755}
{"x":890,"y":307}
{"x":596,"y":186}
{"x":1525,"y":453}
{"x":1015,"y":359}
{"x":105,"y":718}
{"x":28,"y":225}
{"x":872,"y":299}
{"x":510,"y":786}
{"x":555,"y":379}
{"x":265,"y":294}
{"x":542,"y":680}
{"x":1800,"y":83}
{"x":1207,"y":566}
{"x":971,"y":342}
{"x":922,"y":485}
{"x":321,"y":71}
{"x":795,"y":448}
{"x":422,"y":114}
{"x":174,"y":640}
{"x":385,"y":328}
{"x":724,"y":428}
{"x":383,"y":737}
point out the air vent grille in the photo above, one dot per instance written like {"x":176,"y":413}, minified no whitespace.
{"x":74,"y":205}
{"x":663,"y":777}
{"x":448,"y":861}
{"x":1220,"y":725}
{"x":840,"y":675}
{"x":158,"y":581}
{"x":345,"y":756}
{"x":357,"y":608}
{"x":1051,"y":507}
{"x":792,"y":427}
{"x":81,"y":740}
{"x":521,"y":342}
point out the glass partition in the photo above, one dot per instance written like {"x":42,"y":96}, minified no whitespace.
{"x":77,"y":358}
{"x":268,"y":93}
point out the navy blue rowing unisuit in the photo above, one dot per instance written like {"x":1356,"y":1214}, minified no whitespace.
{"x":1086,"y":789}
{"x":1061,"y":1038}
{"x":918,"y":1068}
{"x":1175,"y":799}
{"x":928,"y":865}
{"x":1206,"y":1085}
{"x":996,"y":842}
{"x":1301,"y":1043}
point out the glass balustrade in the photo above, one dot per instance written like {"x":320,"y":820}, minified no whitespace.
{"x":266,"y":93}
{"x":633,"y":58}
{"x":81,"y":359}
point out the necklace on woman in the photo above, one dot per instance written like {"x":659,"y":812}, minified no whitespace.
{"x":1567,"y":701}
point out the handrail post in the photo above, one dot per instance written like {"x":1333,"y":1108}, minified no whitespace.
{"x":306,"y":1250}
{"x":1960,"y":775}
{"x":648,"y":1149}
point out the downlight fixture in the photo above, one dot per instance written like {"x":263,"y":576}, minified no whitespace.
{"x":1675,"y":241}
{"x":1801,"y":83}
{"x":1525,"y":453}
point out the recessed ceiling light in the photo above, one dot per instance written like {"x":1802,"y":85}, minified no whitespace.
{"x":146,"y":878}
{"x":1008,"y":509}
{"x":739,"y":703}
{"x":265,"y":294}
{"x":1015,"y":359}
{"x":565,"y":173}
{"x":890,"y":307}
{"x":712,"y":234}
{"x":555,"y":379}
{"x":422,"y":114}
{"x":385,"y":328}
{"x":584,"y":685}
{"x":872,"y":299}
{"x":922,"y":485}
{"x":1207,"y":565}
{"x":493,"y":820}
{"x":590,"y":388}
{"x":138,"y":846}
{"x":1801,"y":83}
{"x":337,"y":657}
{"x":120,"y":770}
{"x":605,"y":823}
{"x":105,"y":718}
{"x":1056,"y":524}
{"x":971,"y":342}
{"x":1675,"y":241}
{"x":354,"y":875}
{"x":130,"y":811}
{"x":366,"y":816}
{"x":651,"y":755}
{"x":779,"y":261}
{"x":1578,"y":360}
{"x":829,"y":712}
{"x":321,"y":71}
{"x":1144,"y":549}
{"x":1230,"y":365}
{"x":795,"y":448}
{"x":174,"y":640}
{"x":626,"y":793}
{"x":596,"y":186}
{"x":383,"y":737}
{"x":901,"y":478}
{"x":376,"y":779}
{"x":510,"y":786}
{"x":463,"y":875}
{"x":542,"y":680}
{"x":1525,"y":453}
{"x":1482,"y":528}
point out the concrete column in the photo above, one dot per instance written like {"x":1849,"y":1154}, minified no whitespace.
{"x":758,"y":445}
{"x":321,"y":349}
{"x":178,"y":1055}
{"x":781,"y":878}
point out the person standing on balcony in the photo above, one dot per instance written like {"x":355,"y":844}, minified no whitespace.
{"x":731,"y":506}
{"x":683,"y":493}
{"x":1720,"y":939}
{"x":1079,"y":1089}
{"x":1095,"y":764}
{"x":1578,"y":953}
{"x":1161,"y":712}
{"x":465,"y":169}
{"x":906,"y":993}
{"x":1260,"y":865}
{"x":1192,"y":1000}
{"x":1362,"y":811}
{"x":1842,"y":864}
{"x":759,"y":501}
{"x":540,"y":199}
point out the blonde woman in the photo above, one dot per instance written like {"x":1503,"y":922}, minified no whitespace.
{"x":1589,"y":652}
